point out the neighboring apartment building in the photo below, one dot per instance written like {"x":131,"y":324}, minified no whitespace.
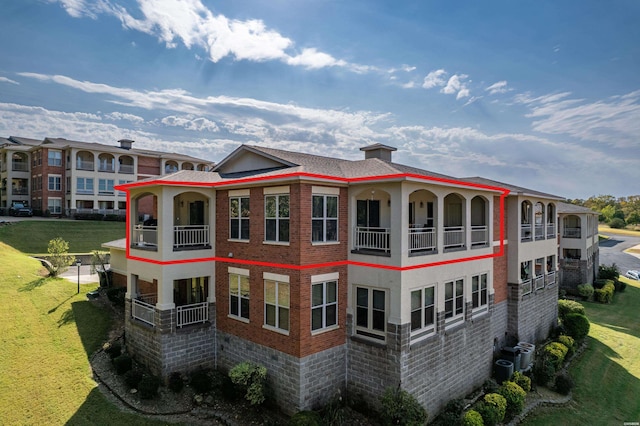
{"x":336,"y":274}
{"x":68,"y":177}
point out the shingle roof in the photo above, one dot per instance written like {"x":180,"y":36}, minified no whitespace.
{"x":515,"y":190}
{"x":568,"y":208}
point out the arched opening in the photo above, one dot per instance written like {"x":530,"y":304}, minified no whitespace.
{"x":551,"y":220}
{"x":454,"y":221}
{"x":84,"y":161}
{"x":526,"y":217}
{"x":191,"y":221}
{"x":479,"y":222}
{"x":19,"y":162}
{"x":187,"y":166}
{"x":170,"y":167}
{"x":539,"y":220}
{"x":125,"y":163}
{"x":106,"y":163}
{"x":201,"y":168}
{"x":373,"y":220}
{"x":144,"y":219}
{"x":422,"y":221}
{"x":572,"y":227}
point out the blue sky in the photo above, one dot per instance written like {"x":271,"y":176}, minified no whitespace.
{"x":544,"y":95}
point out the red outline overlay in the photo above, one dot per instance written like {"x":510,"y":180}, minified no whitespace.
{"x":128,"y":186}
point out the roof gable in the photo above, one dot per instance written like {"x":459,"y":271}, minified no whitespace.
{"x":246,"y":159}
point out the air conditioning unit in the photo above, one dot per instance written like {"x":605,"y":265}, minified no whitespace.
{"x":503,"y":370}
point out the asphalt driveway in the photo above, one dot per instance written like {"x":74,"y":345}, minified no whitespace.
{"x":612,"y":251}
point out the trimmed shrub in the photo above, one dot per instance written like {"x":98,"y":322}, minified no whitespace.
{"x":148,"y":387}
{"x":399,"y":407}
{"x":620,"y":285}
{"x":132,"y":378}
{"x":472,"y":418}
{"x":564,"y":383}
{"x":555,"y":352}
{"x":305,"y":418}
{"x":566,"y":307}
{"x":116,"y":295}
{"x":585,"y":291}
{"x":175,"y":382}
{"x":521,"y":380}
{"x":543,"y":371}
{"x":252,"y":378}
{"x":515,"y":396}
{"x":576,"y":325}
{"x":490,"y":386}
{"x":200,"y":380}
{"x":605,"y":294}
{"x":608,"y":272}
{"x":492,"y":409}
{"x":113,"y":349}
{"x":617,"y":223}
{"x":569,"y":342}
{"x":122,"y":364}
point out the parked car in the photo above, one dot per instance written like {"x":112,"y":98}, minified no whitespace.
{"x":19,"y":209}
{"x":634,"y":275}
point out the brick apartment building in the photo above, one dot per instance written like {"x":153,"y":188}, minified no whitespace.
{"x":337,"y":274}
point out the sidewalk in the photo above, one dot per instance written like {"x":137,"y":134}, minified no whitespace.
{"x":86,"y":277}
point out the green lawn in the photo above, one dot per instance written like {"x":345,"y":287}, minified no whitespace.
{"x":83,"y":236}
{"x":607,"y":375}
{"x":48,"y":334}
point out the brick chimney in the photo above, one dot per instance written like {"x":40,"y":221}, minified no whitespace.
{"x":378,"y":150}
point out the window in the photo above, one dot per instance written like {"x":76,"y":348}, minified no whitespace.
{"x":371,"y":318}
{"x":55,"y":158}
{"x":276,"y":300}
{"x":55,"y":183}
{"x":239,"y":296}
{"x":277,"y":218}
{"x":85,"y":185}
{"x":54,"y":205}
{"x":239,"y":218}
{"x":479,"y":291}
{"x":423,"y":309}
{"x":123,"y":182}
{"x":324,"y":223}
{"x":105,"y":186}
{"x":453,"y":298}
{"x":324,"y":305}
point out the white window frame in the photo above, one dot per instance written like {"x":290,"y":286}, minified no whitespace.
{"x":456,"y":313}
{"x":54,"y":160}
{"x":235,"y":282}
{"x":108,"y":185}
{"x":240,"y":219}
{"x":367,"y":331}
{"x":480,"y":294}
{"x":324,"y":219}
{"x":279,"y":305}
{"x":422,"y":309}
{"x":278,"y":219}
{"x":325,"y":305}
{"x":55,"y":209}
{"x":82,"y":186}
{"x":57,"y":182}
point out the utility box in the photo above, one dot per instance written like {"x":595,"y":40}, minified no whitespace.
{"x":513,"y":355}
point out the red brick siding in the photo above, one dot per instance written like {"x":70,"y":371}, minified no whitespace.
{"x":148,"y":165}
{"x":118,"y":280}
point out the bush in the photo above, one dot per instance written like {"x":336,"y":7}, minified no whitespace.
{"x":175,"y":382}
{"x":492,"y":409}
{"x":116,"y":295}
{"x":543,"y":371}
{"x":515,"y":396}
{"x":490,"y":386}
{"x":472,"y":418}
{"x":617,"y":223}
{"x":564,"y":383}
{"x":148,"y":387}
{"x":113,"y":349}
{"x":620,"y":285}
{"x":305,"y":418}
{"x":608,"y":272}
{"x":585,"y":291}
{"x":577,"y":326}
{"x":521,"y":380}
{"x":252,"y":378}
{"x":605,"y":294}
{"x":555,"y":352}
{"x":399,"y":407}
{"x":122,"y":364}
{"x":132,"y":378}
{"x":200,"y":380}
{"x":566,"y":307}
{"x":569,"y":342}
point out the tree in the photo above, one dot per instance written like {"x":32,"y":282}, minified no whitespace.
{"x":99,"y":262}
{"x":59,"y":256}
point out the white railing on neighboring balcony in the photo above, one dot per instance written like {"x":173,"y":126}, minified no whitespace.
{"x":126,"y":169}
{"x":539,"y":282}
{"x":479,"y":235}
{"x":145,"y":236}
{"x":526,"y":287}
{"x":371,"y":238}
{"x":143,"y":311}
{"x":550,"y":278}
{"x":539,"y":231}
{"x":422,"y":239}
{"x":453,"y":236}
{"x":84,"y":165}
{"x":571,"y":232}
{"x":190,"y":235}
{"x":192,"y":314}
{"x":551,"y":230}
{"x":525,"y":232}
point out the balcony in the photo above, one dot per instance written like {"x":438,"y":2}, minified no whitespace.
{"x":572,"y":233}
{"x":107,"y":168}
{"x":551,"y":230}
{"x":525,"y":232}
{"x":145,"y":237}
{"x":539,"y":231}
{"x":375,"y":239}
{"x":191,"y":236}
{"x":19,"y":191}
{"x":550,"y":278}
{"x":454,"y":237}
{"x":526,"y":286}
{"x":84,"y":165}
{"x":422,"y":240}
{"x":539,"y":282}
{"x":192,"y":314}
{"x":126,"y":169}
{"x":19,"y":166}
{"x":479,"y":236}
{"x":143,"y":309}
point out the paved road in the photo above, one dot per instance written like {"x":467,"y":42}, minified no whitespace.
{"x":611,"y":251}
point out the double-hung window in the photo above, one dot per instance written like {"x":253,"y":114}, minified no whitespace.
{"x":55,"y":158}
{"x":454,"y":299}
{"x":84,"y":185}
{"x":371,"y":313}
{"x":276,"y":304}
{"x":239,"y":295}
{"x":105,"y":186}
{"x":277,"y":218}
{"x":479,"y":292}
{"x":324,"y":305}
{"x":423,"y":311}
{"x":54,"y":205}
{"x":239,"y":218}
{"x":55,"y":183}
{"x":324,"y":222}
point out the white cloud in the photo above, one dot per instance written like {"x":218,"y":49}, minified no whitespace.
{"x":7,"y":80}
{"x":457,"y":86}
{"x":434,"y":78}
{"x":499,"y":87}
{"x":199,"y":124}
{"x":117,"y":116}
{"x":312,"y":59}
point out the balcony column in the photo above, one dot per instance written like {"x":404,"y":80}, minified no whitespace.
{"x":165,"y":223}
{"x":467,"y":223}
{"x":398,"y":223}
{"x":439,"y":223}
{"x":165,"y":292}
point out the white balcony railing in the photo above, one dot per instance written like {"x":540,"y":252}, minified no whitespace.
{"x":143,"y":311}
{"x":539,"y":282}
{"x":551,"y":230}
{"x":145,"y":236}
{"x":453,"y":236}
{"x":422,"y":239}
{"x":571,"y":232}
{"x":192,"y":314}
{"x":479,"y":235}
{"x":525,"y":232}
{"x":371,"y":238}
{"x":526,"y":287}
{"x":539,"y":231}
{"x":550,"y":278}
{"x":19,"y":166}
{"x":190,"y":236}
{"x":126,"y":169}
{"x":84,"y":165}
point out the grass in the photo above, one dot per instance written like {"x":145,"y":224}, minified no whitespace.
{"x":630,"y":232}
{"x":607,"y":375}
{"x":83,"y":236}
{"x":48,"y":334}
